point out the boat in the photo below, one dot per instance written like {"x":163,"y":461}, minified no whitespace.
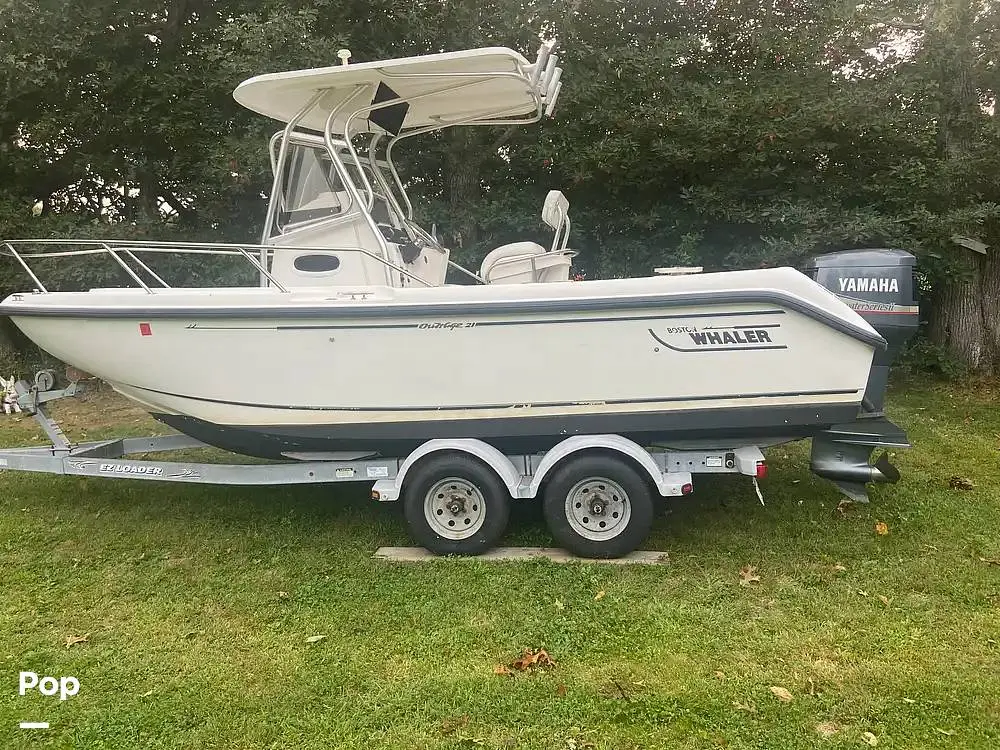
{"x":355,"y":335}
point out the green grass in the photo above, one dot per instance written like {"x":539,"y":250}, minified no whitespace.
{"x":191,"y":645}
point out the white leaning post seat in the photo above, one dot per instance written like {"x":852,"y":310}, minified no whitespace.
{"x":524,"y":263}
{"x":527,"y":262}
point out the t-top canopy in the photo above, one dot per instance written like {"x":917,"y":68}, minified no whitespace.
{"x":480,"y":85}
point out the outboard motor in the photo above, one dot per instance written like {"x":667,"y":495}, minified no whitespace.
{"x":879,"y":286}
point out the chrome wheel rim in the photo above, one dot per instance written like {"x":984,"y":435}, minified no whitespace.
{"x":454,"y":508}
{"x":598,"y":509}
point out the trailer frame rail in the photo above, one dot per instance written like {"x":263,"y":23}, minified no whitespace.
{"x":670,"y":470}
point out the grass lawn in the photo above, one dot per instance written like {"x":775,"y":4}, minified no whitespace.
{"x":198,"y":603}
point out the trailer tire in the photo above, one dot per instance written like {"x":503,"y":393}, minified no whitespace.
{"x":598,"y":506}
{"x":45,"y":380}
{"x":455,"y":505}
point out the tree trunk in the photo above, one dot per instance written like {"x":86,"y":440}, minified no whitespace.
{"x":990,"y":306}
{"x":464,"y":191}
{"x":960,"y":318}
{"x":956,"y":320}
{"x":148,"y":198}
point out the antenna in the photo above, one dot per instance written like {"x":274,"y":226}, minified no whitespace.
{"x":344,"y":55}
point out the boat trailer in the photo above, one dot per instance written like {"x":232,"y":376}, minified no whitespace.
{"x":669,"y":472}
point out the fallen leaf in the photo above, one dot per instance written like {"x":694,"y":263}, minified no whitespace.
{"x":559,"y":604}
{"x":838,"y":568}
{"x":869,"y":739}
{"x":598,"y":596}
{"x":827,"y":729}
{"x":748,"y":575}
{"x":990,"y":560}
{"x":501,"y":670}
{"x":282,"y":594}
{"x":948,"y":732}
{"x":961,"y":483}
{"x":146,"y":694}
{"x":315,"y":638}
{"x":749,"y":707}
{"x":881,"y":528}
{"x":781,"y":694}
{"x":908,"y":700}
{"x":884,"y":600}
{"x":72,"y":640}
{"x":845,"y":505}
{"x":719,"y":674}
{"x":862,"y":593}
{"x":533,"y":658}
{"x":561,"y":691}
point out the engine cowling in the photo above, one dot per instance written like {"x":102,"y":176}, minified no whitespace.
{"x":879,"y":285}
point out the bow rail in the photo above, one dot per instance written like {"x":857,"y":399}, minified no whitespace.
{"x":124,"y":255}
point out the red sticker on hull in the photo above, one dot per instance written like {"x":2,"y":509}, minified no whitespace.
{"x":145,"y":329}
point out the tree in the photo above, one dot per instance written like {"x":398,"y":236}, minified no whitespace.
{"x":734,"y":134}
{"x":966,"y":300}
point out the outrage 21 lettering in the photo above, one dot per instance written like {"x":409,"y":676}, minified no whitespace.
{"x":446,"y":326}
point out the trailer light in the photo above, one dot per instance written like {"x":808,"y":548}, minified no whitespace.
{"x":761,"y":470}
{"x":687,"y":489}
{"x":376,"y":495}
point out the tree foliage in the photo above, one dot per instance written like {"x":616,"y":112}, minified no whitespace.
{"x":733,"y":133}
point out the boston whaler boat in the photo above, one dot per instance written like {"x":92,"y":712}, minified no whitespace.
{"x":353,"y":340}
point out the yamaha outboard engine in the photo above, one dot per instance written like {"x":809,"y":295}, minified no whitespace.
{"x":879,"y":286}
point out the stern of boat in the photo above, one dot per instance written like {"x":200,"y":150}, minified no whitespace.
{"x":878,"y":285}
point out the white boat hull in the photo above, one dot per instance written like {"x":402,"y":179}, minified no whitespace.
{"x":659,"y":359}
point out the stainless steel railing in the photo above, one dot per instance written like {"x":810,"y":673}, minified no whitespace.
{"x":123,"y":253}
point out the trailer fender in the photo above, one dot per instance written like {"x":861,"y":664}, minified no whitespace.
{"x":389,"y":489}
{"x":668,"y":485}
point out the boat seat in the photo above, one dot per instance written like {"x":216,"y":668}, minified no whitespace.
{"x":525,"y":263}
{"x":529,"y":262}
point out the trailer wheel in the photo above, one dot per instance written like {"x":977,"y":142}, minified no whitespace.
{"x":598,"y":506}
{"x":45,"y":380}
{"x":455,"y":505}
